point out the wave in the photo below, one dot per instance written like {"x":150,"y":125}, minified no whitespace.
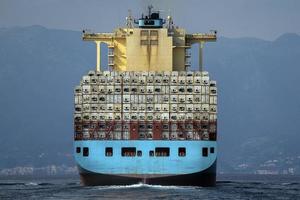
{"x":142,"y":185}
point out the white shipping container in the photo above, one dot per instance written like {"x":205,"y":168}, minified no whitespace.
{"x":189,"y":98}
{"x":197,"y":89}
{"x":165,"y":116}
{"x":213,"y":90}
{"x":77,"y":117}
{"x":197,"y":80}
{"x":142,"y":107}
{"x":205,"y":107}
{"x":102,"y":107}
{"x":205,"y":80}
{"x":78,"y":108}
{"x":174,"y":108}
{"x":78,"y":99}
{"x":102,"y":89}
{"x":142,"y":89}
{"x":205,"y":89}
{"x":149,"y":98}
{"x":117,"y":116}
{"x":165,"y":107}
{"x":181,"y":108}
{"x":213,"y":100}
{"x":212,"y":117}
{"x":196,"y":116}
{"x":142,"y":116}
{"x":86,"y":116}
{"x":86,"y":79}
{"x":205,"y":99}
{"x":126,"y":98}
{"x":117,"y":107}
{"x":181,"y":98}
{"x":106,"y":73}
{"x":181,"y":116}
{"x":150,"y":89}
{"x":102,"y":116}
{"x":212,"y":108}
{"x":190,"y":107}
{"x":174,"y":98}
{"x":86,"y":89}
{"x":94,"y":116}
{"x":110,"y":89}
{"x":157,"y":107}
{"x":149,"y":108}
{"x":158,"y":99}
{"x":197,"y":107}
{"x":78,"y":90}
{"x":110,"y":98}
{"x":134,"y":99}
{"x":86,"y":107}
{"x":94,"y":99}
{"x":157,"y":116}
{"x":126,"y":107}
{"x":149,"y":116}
{"x":110,"y":107}
{"x":134,"y":116}
{"x":134,"y":107}
{"x":94,"y":107}
{"x":118,"y":98}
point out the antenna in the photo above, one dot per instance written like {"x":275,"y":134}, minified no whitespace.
{"x":129,"y":20}
{"x":150,"y":7}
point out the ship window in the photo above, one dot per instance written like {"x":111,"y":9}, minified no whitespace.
{"x":108,"y":151}
{"x":151,"y":153}
{"x":212,"y":150}
{"x":154,"y":33}
{"x":139,"y":153}
{"x":144,"y":33}
{"x":78,"y":149}
{"x":162,"y":151}
{"x":85,"y":151}
{"x":128,"y":151}
{"x":204,"y":151}
{"x":144,"y":42}
{"x":154,"y":42}
{"x":181,"y":151}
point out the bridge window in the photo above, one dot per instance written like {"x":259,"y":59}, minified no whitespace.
{"x":204,"y":151}
{"x":78,"y":149}
{"x":108,"y":151}
{"x":162,"y":151}
{"x":212,"y":150}
{"x":181,"y":151}
{"x":128,"y":151}
{"x":85,"y":151}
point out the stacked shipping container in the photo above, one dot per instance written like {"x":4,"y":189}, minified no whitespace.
{"x":146,"y":105}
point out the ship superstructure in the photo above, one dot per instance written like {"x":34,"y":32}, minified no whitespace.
{"x":149,"y":118}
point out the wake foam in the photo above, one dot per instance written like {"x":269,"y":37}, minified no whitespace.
{"x":142,"y":185}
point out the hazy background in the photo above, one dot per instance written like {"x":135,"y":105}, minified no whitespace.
{"x":255,"y":61}
{"x":265,"y":19}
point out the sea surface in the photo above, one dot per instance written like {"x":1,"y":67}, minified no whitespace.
{"x":228,"y":187}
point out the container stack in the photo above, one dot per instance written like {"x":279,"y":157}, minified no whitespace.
{"x":146,"y":105}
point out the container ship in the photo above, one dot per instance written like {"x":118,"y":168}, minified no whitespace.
{"x":149,"y":118}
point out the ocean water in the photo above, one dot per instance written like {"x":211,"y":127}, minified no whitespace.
{"x":228,"y":187}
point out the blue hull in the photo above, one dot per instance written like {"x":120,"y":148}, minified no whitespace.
{"x":193,"y":168}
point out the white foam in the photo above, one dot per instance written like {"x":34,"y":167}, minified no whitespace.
{"x":142,"y":185}
{"x":31,"y":184}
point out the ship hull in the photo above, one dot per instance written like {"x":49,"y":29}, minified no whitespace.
{"x":206,"y":178}
{"x":192,"y":169}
